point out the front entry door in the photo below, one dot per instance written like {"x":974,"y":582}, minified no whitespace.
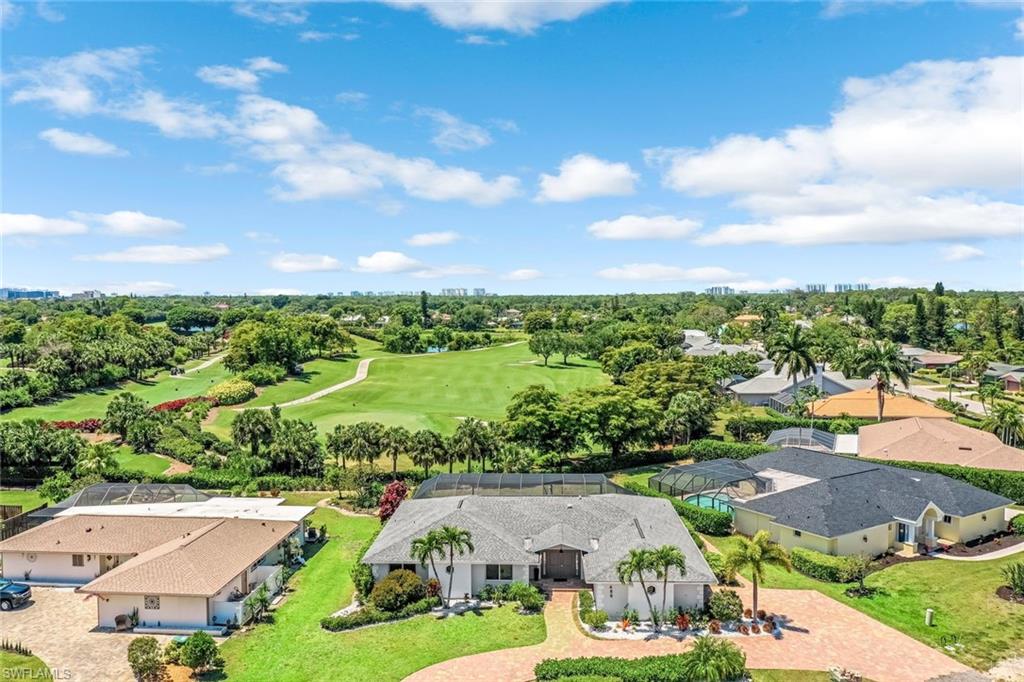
{"x":561,"y":564}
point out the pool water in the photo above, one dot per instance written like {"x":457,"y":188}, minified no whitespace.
{"x":711,"y":502}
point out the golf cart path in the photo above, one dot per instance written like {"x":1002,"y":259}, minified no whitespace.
{"x":200,"y":367}
{"x":362,"y":371}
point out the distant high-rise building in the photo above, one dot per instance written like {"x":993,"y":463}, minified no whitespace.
{"x":88,"y":294}
{"x":816,"y":288}
{"x":863,"y":286}
{"x":457,"y":291}
{"x":355,"y":293}
{"x":17,"y":293}
{"x":480,"y":291}
{"x":842,"y":288}
{"x":719,"y":291}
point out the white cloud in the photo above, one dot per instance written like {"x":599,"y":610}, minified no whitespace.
{"x":894,"y":282}
{"x":279,"y":291}
{"x":522,"y":275}
{"x":173,"y":118}
{"x":666,"y":273}
{"x":584,"y":176}
{"x":477,"y":39}
{"x":304,"y":262}
{"x":10,"y":13}
{"x":277,"y":12}
{"x":1019,"y":25}
{"x":449,"y":271}
{"x":46,"y":12}
{"x":68,"y":84}
{"x":265,"y":237}
{"x":644,"y":227}
{"x":313,"y":180}
{"x":235,"y":78}
{"x":130,"y":223}
{"x":165,"y":254}
{"x":216,"y":169}
{"x":515,"y":16}
{"x":387,"y":262}
{"x":352,"y":98}
{"x":142,"y":288}
{"x":272,"y":122}
{"x":781,"y":283}
{"x":433,"y":238}
{"x":451,"y":133}
{"x":30,"y":225}
{"x":739,"y":11}
{"x":321,"y":36}
{"x":80,"y":143}
{"x":955,"y":253}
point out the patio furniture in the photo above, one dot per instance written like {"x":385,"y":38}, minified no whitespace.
{"x":122,"y":623}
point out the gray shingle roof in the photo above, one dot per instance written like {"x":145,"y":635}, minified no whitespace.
{"x":851,"y":495}
{"x":510,"y":529}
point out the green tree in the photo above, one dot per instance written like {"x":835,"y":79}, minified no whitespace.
{"x":253,"y":428}
{"x":296,"y":449}
{"x":885,"y":361}
{"x":938,"y":323}
{"x":99,"y":459}
{"x":424,"y":312}
{"x":689,"y":412}
{"x":143,"y":434}
{"x":394,"y":443}
{"x":426,"y":448}
{"x":55,"y":488}
{"x":756,"y":554}
{"x":537,"y":320}
{"x":1007,"y":422}
{"x":455,"y":540}
{"x":535,"y":418}
{"x":471,"y":318}
{"x":664,"y":559}
{"x":662,"y":380}
{"x":791,"y":351}
{"x":474,"y":439}
{"x":145,"y":659}
{"x":613,"y":417}
{"x":122,"y":411}
{"x":619,"y":361}
{"x":568,"y":344}
{"x":429,"y":548}
{"x":919,"y":333}
{"x":545,"y":343}
{"x":364,"y":441}
{"x":337,"y":444}
{"x":199,"y":652}
{"x":12,"y":335}
{"x":988,"y":394}
{"x":634,"y":566}
{"x":713,"y":660}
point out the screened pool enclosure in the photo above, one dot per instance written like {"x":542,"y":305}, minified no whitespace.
{"x":711,"y":484}
{"x":518,"y":485}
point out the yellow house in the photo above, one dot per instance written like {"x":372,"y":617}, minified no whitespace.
{"x":837,"y":505}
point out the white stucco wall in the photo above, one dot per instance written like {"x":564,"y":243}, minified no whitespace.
{"x":174,"y":612}
{"x":615,"y":597}
{"x":50,"y":567}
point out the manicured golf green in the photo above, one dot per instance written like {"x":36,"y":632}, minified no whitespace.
{"x":146,"y":464}
{"x":93,"y":404}
{"x":435,"y":391}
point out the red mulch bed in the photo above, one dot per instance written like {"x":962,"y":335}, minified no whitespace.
{"x":1009,"y":595}
{"x":990,"y":545}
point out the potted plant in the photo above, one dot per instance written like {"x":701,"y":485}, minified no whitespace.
{"x":682,"y":621}
{"x":715,"y":626}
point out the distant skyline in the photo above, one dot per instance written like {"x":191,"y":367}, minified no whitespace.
{"x":531,"y":147}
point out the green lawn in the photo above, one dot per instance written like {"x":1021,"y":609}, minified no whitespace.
{"x":28,"y":499}
{"x":18,"y":667}
{"x":433,"y":391}
{"x":295,"y":647}
{"x":637,"y":474}
{"x":158,"y":389}
{"x":962,"y":593}
{"x":147,"y":464}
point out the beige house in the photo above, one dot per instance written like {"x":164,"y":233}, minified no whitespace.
{"x":937,"y":441}
{"x":838,"y":505}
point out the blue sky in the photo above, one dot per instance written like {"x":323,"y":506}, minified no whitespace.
{"x":525,"y":148}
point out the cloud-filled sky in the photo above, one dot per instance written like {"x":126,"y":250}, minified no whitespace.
{"x":523,"y":147}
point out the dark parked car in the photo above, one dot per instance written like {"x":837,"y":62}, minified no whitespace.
{"x":13,"y":595}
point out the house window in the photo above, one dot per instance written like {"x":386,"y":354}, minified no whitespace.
{"x":151,"y":603}
{"x":401,"y":567}
{"x":77,"y":560}
{"x":499,"y":571}
{"x":797,"y":533}
{"x":946,"y":518}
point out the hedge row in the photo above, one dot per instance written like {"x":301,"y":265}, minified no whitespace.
{"x":707,"y":449}
{"x":364,"y":332}
{"x":225,"y":480}
{"x":1006,"y":483}
{"x":759,"y":428}
{"x":598,"y":463}
{"x":647,"y":669}
{"x":831,"y":569}
{"x":710,"y":521}
{"x":370,"y":615}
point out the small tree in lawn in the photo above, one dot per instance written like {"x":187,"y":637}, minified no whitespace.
{"x":199,"y":652}
{"x":146,"y":659}
{"x":392,"y":497}
{"x":757,"y":554}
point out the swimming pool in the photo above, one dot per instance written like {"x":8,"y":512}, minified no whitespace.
{"x":717,"y":502}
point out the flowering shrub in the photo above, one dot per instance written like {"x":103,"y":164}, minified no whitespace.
{"x":392,"y":497}
{"x":85,"y":425}
{"x":232,"y":392}
{"x":175,"y":405}
{"x":433,"y":588}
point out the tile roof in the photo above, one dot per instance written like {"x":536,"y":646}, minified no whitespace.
{"x":100,"y":534}
{"x":199,"y":563}
{"x":940,"y":441}
{"x":852,"y":495}
{"x":507,"y":529}
{"x":864,"y":404}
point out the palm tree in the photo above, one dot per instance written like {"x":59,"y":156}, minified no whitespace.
{"x":253,"y":428}
{"x":885,"y":361}
{"x":663,"y":559}
{"x":394,"y":441}
{"x":454,"y":540}
{"x":713,"y":660}
{"x":426,"y":548}
{"x":1007,"y":422}
{"x":988,"y":392}
{"x":474,"y":439}
{"x":97,"y":459}
{"x":634,"y":565}
{"x":791,"y":349}
{"x":426,"y":448}
{"x":757,"y":554}
{"x":337,"y":443}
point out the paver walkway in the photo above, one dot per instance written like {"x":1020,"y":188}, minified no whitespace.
{"x":819,"y":632}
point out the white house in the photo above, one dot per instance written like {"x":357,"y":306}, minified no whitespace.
{"x":527,"y":530}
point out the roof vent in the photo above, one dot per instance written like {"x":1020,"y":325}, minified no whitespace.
{"x":459,"y":505}
{"x":639,"y":530}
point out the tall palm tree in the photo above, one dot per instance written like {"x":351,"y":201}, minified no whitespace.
{"x":426,"y":448}
{"x":792,"y":350}
{"x":663,"y":559}
{"x":253,"y":428}
{"x":427,"y":548}
{"x":633,"y":566}
{"x":474,"y":439}
{"x":1007,"y":422}
{"x":394,"y":441}
{"x":987,"y":394}
{"x":757,"y":554}
{"x":454,"y":540}
{"x":886,"y":362}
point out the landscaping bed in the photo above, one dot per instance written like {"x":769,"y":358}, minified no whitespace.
{"x":986,"y":545}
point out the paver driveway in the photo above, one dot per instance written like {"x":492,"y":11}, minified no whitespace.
{"x":820,"y":632}
{"x":60,"y":628}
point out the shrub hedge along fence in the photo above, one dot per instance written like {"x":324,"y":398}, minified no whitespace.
{"x":710,"y":521}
